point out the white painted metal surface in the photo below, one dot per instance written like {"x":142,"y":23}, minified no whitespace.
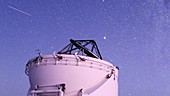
{"x":71,"y":75}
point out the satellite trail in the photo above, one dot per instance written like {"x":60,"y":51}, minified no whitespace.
{"x":19,"y":10}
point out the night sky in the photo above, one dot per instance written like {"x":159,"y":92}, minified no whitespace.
{"x":133,"y":34}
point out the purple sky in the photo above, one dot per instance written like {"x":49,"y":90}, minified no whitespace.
{"x":133,"y":34}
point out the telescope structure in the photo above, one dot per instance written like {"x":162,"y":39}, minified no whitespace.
{"x":76,"y":70}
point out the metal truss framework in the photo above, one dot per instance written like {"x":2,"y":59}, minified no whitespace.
{"x":82,"y":47}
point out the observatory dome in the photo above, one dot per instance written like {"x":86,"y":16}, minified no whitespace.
{"x":76,"y":70}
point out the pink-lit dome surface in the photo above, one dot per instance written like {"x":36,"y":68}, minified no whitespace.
{"x":71,"y":75}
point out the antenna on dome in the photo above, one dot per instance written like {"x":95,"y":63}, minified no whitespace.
{"x":38,"y":52}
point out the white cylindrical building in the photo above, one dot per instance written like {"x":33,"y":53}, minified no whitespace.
{"x":71,"y":75}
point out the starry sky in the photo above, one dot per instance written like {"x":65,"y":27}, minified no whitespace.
{"x":133,"y":34}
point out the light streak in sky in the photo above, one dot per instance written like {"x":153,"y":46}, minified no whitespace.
{"x":19,"y":10}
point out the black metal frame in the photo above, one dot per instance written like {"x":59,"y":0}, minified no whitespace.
{"x":82,"y":47}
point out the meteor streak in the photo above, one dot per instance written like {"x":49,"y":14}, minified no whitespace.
{"x":19,"y":10}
